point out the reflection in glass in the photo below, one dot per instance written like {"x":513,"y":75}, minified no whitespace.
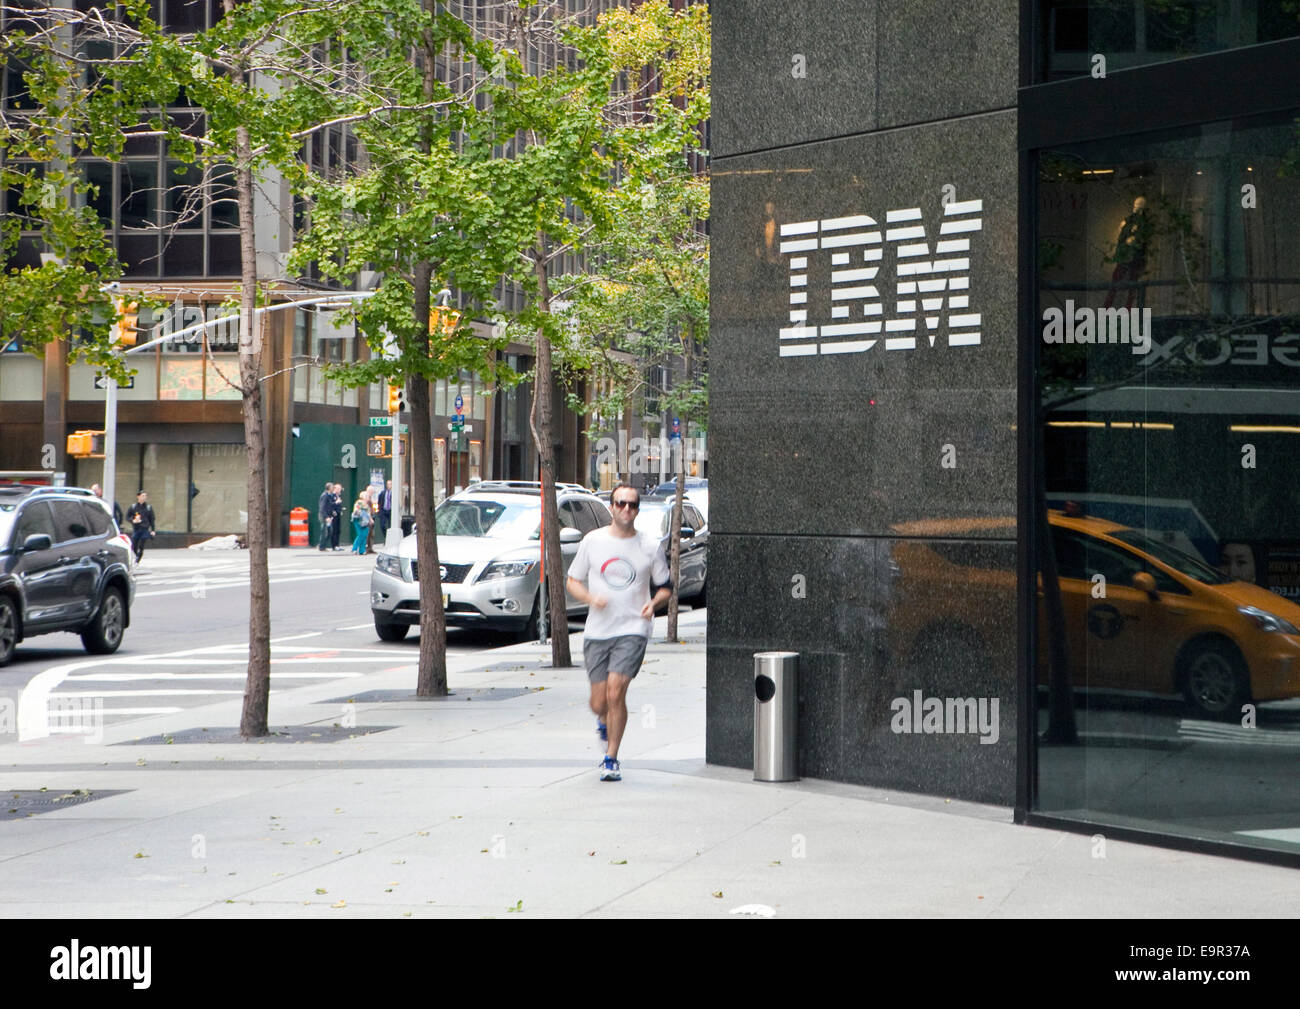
{"x":1132,"y":33}
{"x":1168,"y":616}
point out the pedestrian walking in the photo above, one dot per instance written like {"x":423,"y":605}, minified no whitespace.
{"x":336,"y":512}
{"x":385,"y":514}
{"x":324,"y":509}
{"x":361,"y":522}
{"x":623,"y":577}
{"x":141,"y":520}
{"x":117,"y":508}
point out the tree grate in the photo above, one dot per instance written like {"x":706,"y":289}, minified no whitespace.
{"x":18,"y":805}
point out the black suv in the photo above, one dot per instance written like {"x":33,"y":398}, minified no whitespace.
{"x":64,"y":566}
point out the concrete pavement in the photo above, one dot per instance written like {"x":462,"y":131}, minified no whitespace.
{"x":488,"y":804}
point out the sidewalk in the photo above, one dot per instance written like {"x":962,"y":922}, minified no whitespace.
{"x":488,"y":803}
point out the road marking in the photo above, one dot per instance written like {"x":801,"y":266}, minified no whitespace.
{"x":140,"y":693}
{"x":61,"y":716}
{"x":357,"y":627}
{"x":34,"y":701}
{"x":131,"y":677}
{"x":206,"y":587}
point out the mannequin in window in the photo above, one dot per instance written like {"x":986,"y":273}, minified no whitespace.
{"x":1130,"y":255}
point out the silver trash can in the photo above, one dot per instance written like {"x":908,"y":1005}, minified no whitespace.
{"x":776,"y":716}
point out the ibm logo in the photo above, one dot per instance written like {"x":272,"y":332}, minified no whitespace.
{"x":930,"y":283}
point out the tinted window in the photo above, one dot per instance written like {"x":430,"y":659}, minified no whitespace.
{"x":692,"y":517}
{"x":570,"y":516}
{"x":35,"y":518}
{"x":603,"y":517}
{"x":97,"y":519}
{"x":70,"y":520}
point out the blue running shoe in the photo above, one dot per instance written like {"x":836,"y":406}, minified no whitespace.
{"x":609,"y":770}
{"x":601,"y":731}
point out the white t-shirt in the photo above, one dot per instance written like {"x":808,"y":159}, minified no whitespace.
{"x":622,"y":570}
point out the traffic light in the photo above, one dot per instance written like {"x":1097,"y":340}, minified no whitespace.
{"x":86,"y":445}
{"x":127,"y":316}
{"x":395,"y":404}
{"x":380,"y":448}
{"x":443,"y":320}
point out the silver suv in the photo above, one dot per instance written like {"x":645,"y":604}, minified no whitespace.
{"x":489,"y":549}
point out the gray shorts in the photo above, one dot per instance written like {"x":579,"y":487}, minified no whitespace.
{"x":621,"y":655}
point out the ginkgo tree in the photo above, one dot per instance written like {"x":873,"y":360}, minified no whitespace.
{"x":266,"y":76}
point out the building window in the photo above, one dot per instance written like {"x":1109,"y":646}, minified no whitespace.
{"x":1168,"y":382}
{"x":1133,"y":33}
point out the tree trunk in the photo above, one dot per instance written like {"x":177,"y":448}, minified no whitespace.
{"x":432,"y":681}
{"x":257,"y":688}
{"x":675,"y":544}
{"x":433,"y":621}
{"x":540,"y":421}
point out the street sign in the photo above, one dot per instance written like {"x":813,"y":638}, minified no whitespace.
{"x":102,"y":383}
{"x":380,"y":421}
{"x":458,"y":424}
{"x":460,"y":403}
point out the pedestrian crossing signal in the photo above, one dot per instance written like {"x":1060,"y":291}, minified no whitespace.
{"x":380,"y":448}
{"x":86,"y":445}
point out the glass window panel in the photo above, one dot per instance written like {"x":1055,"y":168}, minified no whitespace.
{"x":138,"y":193}
{"x":1168,"y":377}
{"x":222,"y":377}
{"x":1132,"y":33}
{"x":180,"y":377}
{"x":186,"y":16}
{"x":220,"y":489}
{"x":183,"y":255}
{"x":139,"y":254}
{"x":100,"y":175}
{"x":21,"y":377}
{"x":165,"y":474}
{"x":301,"y":371}
{"x":183,"y":199}
{"x":223,"y":209}
{"x":223,"y":256}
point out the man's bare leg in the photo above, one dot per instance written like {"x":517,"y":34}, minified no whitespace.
{"x":599,"y":705}
{"x":616,"y":705}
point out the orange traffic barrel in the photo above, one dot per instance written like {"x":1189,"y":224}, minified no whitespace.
{"x":298,"y":527}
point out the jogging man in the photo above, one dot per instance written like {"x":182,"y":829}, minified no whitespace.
{"x":623,"y":577}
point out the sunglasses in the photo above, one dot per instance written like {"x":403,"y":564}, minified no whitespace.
{"x":634,"y":505}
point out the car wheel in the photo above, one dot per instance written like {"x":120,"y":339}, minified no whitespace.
{"x":529,"y":633}
{"x":390,"y":631}
{"x":8,"y":629}
{"x":105,"y":632}
{"x":1215,"y":681}
{"x":701,"y":598}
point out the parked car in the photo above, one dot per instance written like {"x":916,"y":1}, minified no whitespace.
{"x":697,"y":490}
{"x":655,"y":517}
{"x":489,"y":551}
{"x":64,"y":566}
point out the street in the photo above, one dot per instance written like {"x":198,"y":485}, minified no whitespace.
{"x":187,"y":643}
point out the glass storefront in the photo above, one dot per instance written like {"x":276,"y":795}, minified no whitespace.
{"x":1134,"y":33}
{"x":1167,"y":619}
{"x":193,"y":488}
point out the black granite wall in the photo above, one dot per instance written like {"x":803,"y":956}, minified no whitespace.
{"x":862,"y":437}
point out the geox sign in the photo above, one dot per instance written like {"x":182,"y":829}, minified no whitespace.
{"x":932,"y":282}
